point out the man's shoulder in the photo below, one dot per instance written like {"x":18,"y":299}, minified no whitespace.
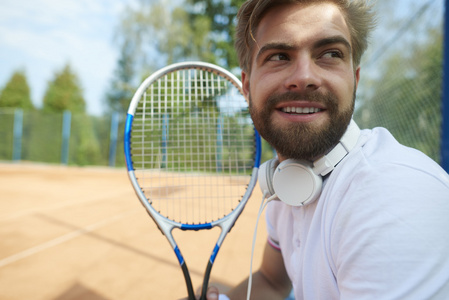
{"x":379,"y":153}
{"x":381,"y":167}
{"x":379,"y":145}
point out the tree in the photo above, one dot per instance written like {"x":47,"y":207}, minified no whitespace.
{"x":402,"y":79}
{"x":408,"y":102}
{"x":162,"y":33}
{"x":222,"y":18}
{"x":150,"y":36}
{"x":16,"y":92}
{"x":122,"y":85}
{"x":197,"y":29}
{"x":64,"y":93}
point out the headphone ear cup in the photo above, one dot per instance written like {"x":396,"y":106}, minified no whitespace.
{"x":295,"y":183}
{"x":265,"y":174}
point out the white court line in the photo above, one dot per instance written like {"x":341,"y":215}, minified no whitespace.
{"x":57,"y":241}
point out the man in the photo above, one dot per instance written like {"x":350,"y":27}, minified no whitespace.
{"x":379,"y":229}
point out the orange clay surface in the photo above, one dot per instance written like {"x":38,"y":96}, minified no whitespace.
{"x":81,"y":233}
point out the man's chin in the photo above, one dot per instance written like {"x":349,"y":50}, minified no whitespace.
{"x":312,"y":127}
{"x":303,"y":140}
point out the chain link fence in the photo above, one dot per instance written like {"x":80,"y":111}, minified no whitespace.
{"x":61,"y":138}
{"x":401,"y":85}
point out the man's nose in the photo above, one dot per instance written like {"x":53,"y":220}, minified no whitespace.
{"x":303,"y":75}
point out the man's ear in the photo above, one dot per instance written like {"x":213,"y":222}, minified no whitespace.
{"x":357,"y":76}
{"x":245,"y":85}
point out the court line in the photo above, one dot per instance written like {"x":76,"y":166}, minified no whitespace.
{"x":172,"y":262}
{"x":62,"y":239}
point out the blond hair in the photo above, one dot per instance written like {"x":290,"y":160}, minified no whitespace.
{"x":358,"y":15}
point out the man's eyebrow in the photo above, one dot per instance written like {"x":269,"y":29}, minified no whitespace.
{"x":274,"y":46}
{"x":333,"y":40}
{"x":337,"y":39}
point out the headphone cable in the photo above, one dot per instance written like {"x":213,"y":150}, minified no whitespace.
{"x":264,"y":203}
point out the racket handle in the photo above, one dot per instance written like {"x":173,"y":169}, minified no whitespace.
{"x":206,"y":281}
{"x":186,"y":273}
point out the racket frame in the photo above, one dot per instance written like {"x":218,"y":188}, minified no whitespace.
{"x":164,"y":224}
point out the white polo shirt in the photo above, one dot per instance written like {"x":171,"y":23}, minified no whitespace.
{"x":380,"y":229}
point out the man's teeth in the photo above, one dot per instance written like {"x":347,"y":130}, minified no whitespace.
{"x":301,"y":110}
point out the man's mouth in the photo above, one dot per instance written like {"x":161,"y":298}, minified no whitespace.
{"x":300,"y":110}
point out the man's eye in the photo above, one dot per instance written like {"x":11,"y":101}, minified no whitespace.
{"x":333,"y":54}
{"x":277,"y":57}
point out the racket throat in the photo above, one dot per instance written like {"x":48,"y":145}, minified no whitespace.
{"x":206,"y":280}
{"x":188,"y":280}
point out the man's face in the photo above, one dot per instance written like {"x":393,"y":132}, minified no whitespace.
{"x":302,"y":83}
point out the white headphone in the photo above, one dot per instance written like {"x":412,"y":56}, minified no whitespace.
{"x":299,"y":182}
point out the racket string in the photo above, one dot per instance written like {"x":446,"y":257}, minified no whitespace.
{"x":198,"y":137}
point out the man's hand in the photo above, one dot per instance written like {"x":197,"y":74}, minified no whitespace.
{"x":212,"y":294}
{"x":270,"y":282}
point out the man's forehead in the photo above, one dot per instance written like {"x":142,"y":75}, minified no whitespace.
{"x":314,"y":19}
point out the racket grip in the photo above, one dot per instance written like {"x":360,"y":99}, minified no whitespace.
{"x":206,"y":280}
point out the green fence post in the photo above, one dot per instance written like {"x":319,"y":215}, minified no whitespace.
{"x":66,"y":124}
{"x":445,"y":94}
{"x":113,"y":138}
{"x":18,"y":131}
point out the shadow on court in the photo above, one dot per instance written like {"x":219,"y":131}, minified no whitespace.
{"x":79,"y":292}
{"x":69,"y":233}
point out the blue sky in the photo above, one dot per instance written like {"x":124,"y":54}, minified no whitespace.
{"x":41,"y":36}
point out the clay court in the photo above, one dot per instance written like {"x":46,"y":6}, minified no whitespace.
{"x":80,"y":233}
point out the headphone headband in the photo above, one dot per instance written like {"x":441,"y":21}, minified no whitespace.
{"x":327,"y":163}
{"x":298,"y":182}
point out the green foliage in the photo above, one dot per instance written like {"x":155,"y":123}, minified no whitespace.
{"x":64,"y":93}
{"x":196,"y":30}
{"x":6,"y":133}
{"x":16,"y":93}
{"x":84,"y":144}
{"x":409,"y":105}
{"x":42,"y":138}
{"x":222,"y":17}
{"x":187,"y":40}
{"x":161,"y":34}
{"x":268,"y":152}
{"x":122,"y":87}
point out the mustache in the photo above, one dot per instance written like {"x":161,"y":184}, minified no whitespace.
{"x":323,"y":98}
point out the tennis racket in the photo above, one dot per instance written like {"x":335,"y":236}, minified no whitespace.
{"x":192,"y":152}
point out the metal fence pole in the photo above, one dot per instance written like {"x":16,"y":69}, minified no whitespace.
{"x":165,"y":137}
{"x":66,"y":124}
{"x":113,"y":139}
{"x":18,"y":131}
{"x":445,"y":93}
{"x":219,"y":144}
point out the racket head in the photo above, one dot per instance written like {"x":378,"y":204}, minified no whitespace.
{"x":191,"y":149}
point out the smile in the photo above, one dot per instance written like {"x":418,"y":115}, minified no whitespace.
{"x":300,"y":110}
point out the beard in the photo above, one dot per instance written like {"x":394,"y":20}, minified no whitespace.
{"x":302,"y":140}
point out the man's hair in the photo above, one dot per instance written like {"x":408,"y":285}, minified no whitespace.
{"x":357,"y":13}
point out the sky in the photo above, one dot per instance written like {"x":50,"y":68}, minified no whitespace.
{"x":42,"y":36}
